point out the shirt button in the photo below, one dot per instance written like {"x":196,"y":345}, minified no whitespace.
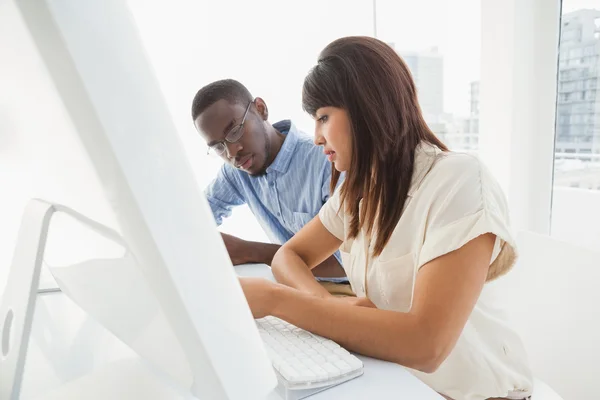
{"x":279,"y":214}
{"x":272,"y":184}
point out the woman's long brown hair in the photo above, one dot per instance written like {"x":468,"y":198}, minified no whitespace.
{"x":369,"y":80}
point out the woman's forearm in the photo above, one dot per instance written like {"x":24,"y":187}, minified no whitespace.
{"x":386,"y":335}
{"x":290,"y":270}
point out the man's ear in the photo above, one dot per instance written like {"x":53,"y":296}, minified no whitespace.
{"x":261,"y":106}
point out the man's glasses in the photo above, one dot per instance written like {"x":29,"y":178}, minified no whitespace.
{"x":234,"y":135}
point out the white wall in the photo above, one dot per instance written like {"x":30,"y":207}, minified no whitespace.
{"x":576,"y":216}
{"x":40,"y":155}
{"x":268,"y":45}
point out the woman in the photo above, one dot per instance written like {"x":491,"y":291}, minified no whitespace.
{"x":421,"y":231}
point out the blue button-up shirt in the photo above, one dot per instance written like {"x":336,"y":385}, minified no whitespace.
{"x":291,"y":193}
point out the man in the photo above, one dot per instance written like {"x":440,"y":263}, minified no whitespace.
{"x":274,"y":169}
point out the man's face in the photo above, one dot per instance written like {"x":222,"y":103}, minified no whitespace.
{"x":251,"y":150}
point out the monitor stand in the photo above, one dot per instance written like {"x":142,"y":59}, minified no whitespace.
{"x":18,"y":302}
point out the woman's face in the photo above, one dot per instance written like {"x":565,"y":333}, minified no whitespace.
{"x":333,"y":131}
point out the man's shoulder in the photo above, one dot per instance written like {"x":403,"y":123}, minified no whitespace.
{"x":306,"y":146}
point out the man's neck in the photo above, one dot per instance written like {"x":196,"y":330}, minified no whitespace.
{"x":277,"y":138}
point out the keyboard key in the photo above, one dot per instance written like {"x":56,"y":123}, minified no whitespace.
{"x":332,"y":370}
{"x":341,"y":352}
{"x":288,"y":372}
{"x":285,"y":354}
{"x":268,"y":339}
{"x":303,"y":346}
{"x":277,"y":347}
{"x":277,"y":362}
{"x":319,"y":359}
{"x":354,"y":362}
{"x":284,"y":342}
{"x":295,"y":362}
{"x":318,"y":348}
{"x":294,"y":349}
{"x":306,"y":375}
{"x":310,"y":341}
{"x":319,"y":371}
{"x":271,"y":352}
{"x":331,"y":345}
{"x":332,"y":358}
{"x":319,"y":338}
{"x":311,"y":352}
{"x":327,"y":353}
{"x":343,"y":366}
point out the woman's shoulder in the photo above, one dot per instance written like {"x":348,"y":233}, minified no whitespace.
{"x":463,"y":168}
{"x":440,"y":169}
{"x":455,"y":162}
{"x":459,"y":174}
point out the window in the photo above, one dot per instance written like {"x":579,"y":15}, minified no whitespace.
{"x":576,"y":192}
{"x":591,"y":83}
{"x":567,"y":86}
{"x":444,"y":59}
{"x":590,"y":94}
{"x":575,"y":53}
{"x":570,"y":34}
{"x":589,"y":50}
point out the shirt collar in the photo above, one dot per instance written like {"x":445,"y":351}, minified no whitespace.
{"x":425,"y":157}
{"x":284,"y":157}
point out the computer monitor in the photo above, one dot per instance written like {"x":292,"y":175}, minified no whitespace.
{"x":94,"y":56}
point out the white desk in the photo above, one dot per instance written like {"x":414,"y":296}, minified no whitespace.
{"x":73,"y":357}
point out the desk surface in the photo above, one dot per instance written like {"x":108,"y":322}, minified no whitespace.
{"x":71,"y":356}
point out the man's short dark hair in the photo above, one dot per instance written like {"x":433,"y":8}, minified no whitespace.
{"x":228,"y":89}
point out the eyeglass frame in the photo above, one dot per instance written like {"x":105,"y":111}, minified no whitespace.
{"x":237,"y":128}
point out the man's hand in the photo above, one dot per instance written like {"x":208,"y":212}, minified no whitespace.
{"x":237,"y":248}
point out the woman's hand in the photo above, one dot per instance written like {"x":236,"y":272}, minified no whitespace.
{"x":260,"y":295}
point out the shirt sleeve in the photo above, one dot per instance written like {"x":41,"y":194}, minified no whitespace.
{"x":223,"y":195}
{"x":468,"y":203}
{"x":331,"y":218}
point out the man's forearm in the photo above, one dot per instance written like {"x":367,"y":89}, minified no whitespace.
{"x":330,"y":268}
{"x":261,"y":253}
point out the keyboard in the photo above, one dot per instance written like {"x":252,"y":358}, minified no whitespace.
{"x":305,"y":363}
